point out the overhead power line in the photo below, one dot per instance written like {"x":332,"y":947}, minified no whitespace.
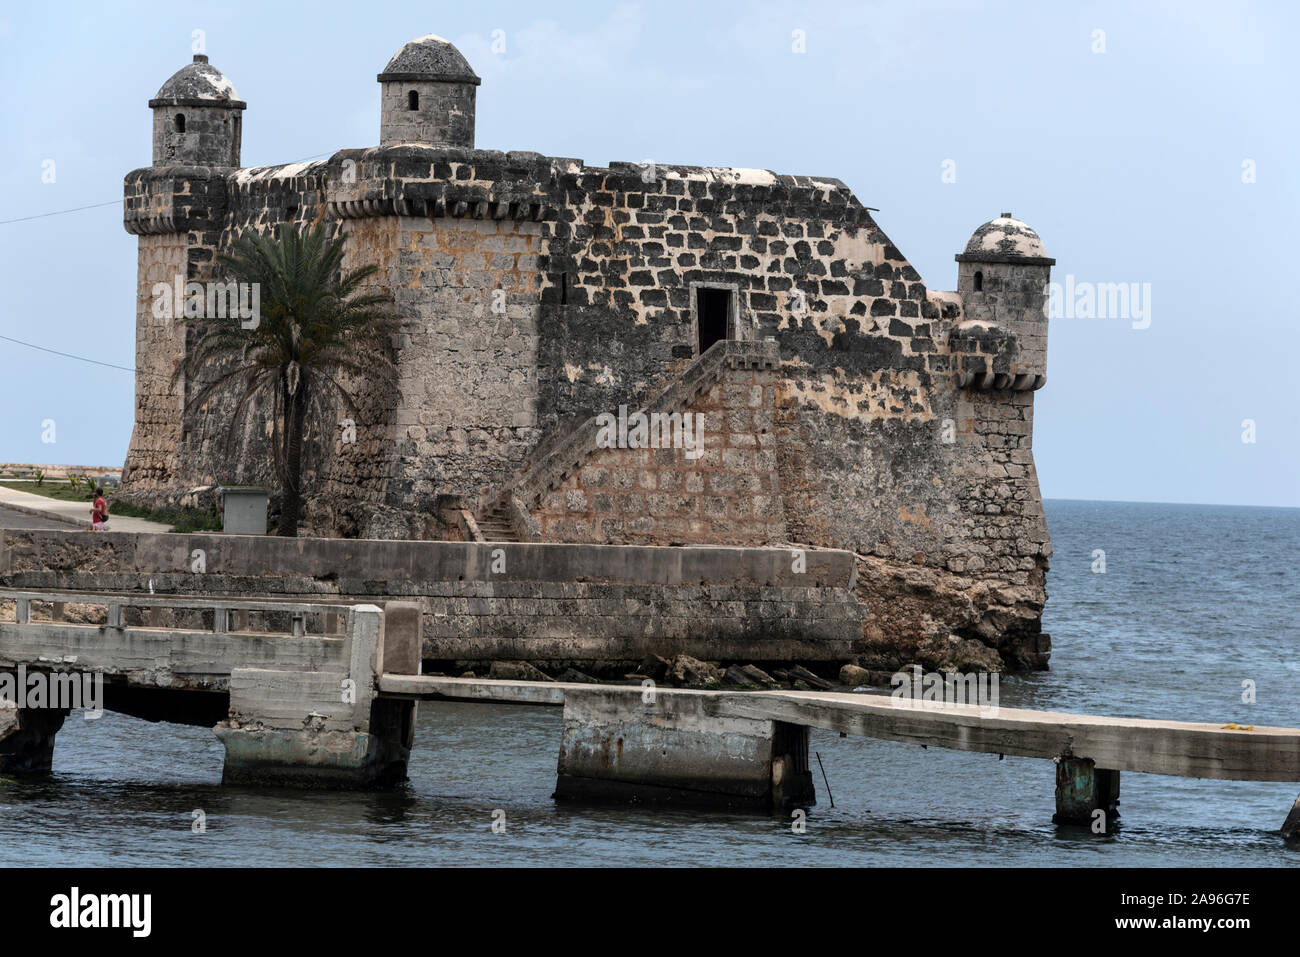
{"x":115,"y":202}
{"x":67,"y":355}
{"x":60,"y":212}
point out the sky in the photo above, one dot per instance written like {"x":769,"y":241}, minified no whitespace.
{"x":1149,"y":143}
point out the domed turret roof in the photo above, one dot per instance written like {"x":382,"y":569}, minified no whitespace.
{"x":429,"y":58}
{"x":198,"y":84}
{"x":1005,"y":240}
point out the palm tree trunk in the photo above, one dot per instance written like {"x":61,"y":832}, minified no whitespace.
{"x":295,"y":414}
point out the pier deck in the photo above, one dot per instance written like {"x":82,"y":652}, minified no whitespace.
{"x":1182,"y":748}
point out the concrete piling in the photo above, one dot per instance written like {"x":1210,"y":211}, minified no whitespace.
{"x":1082,"y":789}
{"x":27,"y":739}
{"x":327,"y":728}
{"x":1291,"y":826}
{"x":672,"y":747}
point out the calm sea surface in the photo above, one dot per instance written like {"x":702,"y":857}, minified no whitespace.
{"x":1194,"y":600}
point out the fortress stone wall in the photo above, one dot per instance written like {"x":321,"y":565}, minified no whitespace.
{"x":847,"y":405}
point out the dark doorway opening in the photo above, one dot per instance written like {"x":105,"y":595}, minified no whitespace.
{"x":712,"y":309}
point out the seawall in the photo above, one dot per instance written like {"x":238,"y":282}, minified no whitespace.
{"x":588,"y":604}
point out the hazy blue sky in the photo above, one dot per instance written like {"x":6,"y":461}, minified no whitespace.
{"x":1128,"y":162}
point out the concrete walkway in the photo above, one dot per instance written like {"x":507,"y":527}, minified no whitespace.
{"x":72,"y":513}
{"x":11,"y":518}
{"x":1181,"y":748}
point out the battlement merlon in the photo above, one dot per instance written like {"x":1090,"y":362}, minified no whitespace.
{"x":415,"y":180}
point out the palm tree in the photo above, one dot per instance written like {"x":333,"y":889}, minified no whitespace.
{"x":314,"y":323}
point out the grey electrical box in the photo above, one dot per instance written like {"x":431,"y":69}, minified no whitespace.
{"x":243,"y":510}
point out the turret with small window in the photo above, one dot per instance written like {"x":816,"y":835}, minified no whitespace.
{"x":427,"y":96}
{"x":196,"y":118}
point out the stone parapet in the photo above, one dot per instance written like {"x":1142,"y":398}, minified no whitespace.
{"x":174,"y":199}
{"x":496,"y":600}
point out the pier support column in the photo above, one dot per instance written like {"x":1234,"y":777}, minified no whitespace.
{"x":324,"y":728}
{"x":673,"y":747}
{"x":1081,"y":789}
{"x":27,"y":738}
{"x":1291,"y":826}
{"x":792,"y":780}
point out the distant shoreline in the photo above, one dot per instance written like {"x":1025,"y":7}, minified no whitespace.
{"x":60,"y":471}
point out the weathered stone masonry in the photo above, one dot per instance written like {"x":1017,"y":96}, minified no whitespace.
{"x":597,"y":607}
{"x":536,"y":292}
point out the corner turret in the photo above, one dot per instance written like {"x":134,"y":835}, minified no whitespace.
{"x":427,"y":96}
{"x":1002,"y":278}
{"x":196,"y":118}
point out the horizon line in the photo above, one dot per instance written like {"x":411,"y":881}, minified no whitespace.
{"x":1138,"y":501}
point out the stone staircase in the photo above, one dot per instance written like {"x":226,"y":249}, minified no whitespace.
{"x":505,"y":510}
{"x":495,"y":525}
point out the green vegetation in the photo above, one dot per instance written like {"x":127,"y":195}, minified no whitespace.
{"x":180,"y":519}
{"x":64,"y":493}
{"x":316,"y":325}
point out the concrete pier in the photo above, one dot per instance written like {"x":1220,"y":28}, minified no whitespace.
{"x":617,"y":746}
{"x":292,"y":705}
{"x":327,"y":728}
{"x":324,"y":694}
{"x":666,"y":747}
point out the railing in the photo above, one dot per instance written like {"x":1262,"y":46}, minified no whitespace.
{"x":269,"y":675}
{"x":337,"y":615}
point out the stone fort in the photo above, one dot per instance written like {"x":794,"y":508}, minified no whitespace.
{"x":844,"y":403}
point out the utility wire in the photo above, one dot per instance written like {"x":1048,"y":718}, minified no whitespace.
{"x":83,"y":359}
{"x":59,"y":212}
{"x":114,"y":202}
{"x":66,"y":355}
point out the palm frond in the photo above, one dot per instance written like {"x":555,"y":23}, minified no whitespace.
{"x":318,"y":325}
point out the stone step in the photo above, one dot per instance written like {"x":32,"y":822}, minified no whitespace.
{"x":495,"y":526}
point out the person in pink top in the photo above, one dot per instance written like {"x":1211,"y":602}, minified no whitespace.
{"x":99,"y":511}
